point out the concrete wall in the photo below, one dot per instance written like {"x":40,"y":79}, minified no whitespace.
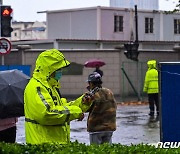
{"x":113,"y":76}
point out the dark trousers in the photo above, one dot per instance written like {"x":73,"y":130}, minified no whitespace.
{"x":101,"y":137}
{"x":8,"y":135}
{"x":153,"y":101}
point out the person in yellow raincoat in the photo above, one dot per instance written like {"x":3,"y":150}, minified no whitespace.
{"x":47,"y":114}
{"x":151,"y":87}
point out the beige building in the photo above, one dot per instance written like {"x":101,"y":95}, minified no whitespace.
{"x":110,"y":23}
{"x":28,"y":31}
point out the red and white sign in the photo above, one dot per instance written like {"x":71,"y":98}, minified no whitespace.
{"x":5,"y":46}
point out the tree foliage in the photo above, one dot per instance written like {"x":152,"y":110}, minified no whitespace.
{"x":175,"y":10}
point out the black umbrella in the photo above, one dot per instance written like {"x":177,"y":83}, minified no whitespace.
{"x":12,"y":85}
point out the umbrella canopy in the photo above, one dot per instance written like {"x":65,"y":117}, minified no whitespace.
{"x":12,"y":85}
{"x":94,"y":63}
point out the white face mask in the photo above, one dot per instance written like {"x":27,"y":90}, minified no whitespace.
{"x":58,"y":75}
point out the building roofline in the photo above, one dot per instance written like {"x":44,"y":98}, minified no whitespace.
{"x":102,"y":8}
{"x":85,"y":40}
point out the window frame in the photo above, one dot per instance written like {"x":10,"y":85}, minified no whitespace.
{"x":118,"y":23}
{"x":149,"y":25}
{"x":177,"y":26}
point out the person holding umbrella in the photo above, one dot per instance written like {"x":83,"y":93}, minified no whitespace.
{"x":95,"y":63}
{"x":98,"y":70}
{"x":12,"y":85}
{"x":47,"y":114}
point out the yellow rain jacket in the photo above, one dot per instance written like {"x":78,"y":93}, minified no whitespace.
{"x":47,"y":115}
{"x":151,"y":78}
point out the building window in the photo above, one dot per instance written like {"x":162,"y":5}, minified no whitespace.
{"x":148,"y":25}
{"x":118,"y":23}
{"x":15,"y":34}
{"x":176,"y":26}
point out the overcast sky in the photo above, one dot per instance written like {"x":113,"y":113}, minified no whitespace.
{"x":26,"y":10}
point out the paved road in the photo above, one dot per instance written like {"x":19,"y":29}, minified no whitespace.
{"x":133,"y":127}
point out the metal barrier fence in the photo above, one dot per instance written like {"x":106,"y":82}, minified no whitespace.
{"x":133,"y":74}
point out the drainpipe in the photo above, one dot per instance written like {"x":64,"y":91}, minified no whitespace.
{"x":98,"y":23}
{"x":70,"y":23}
{"x":161,"y":26}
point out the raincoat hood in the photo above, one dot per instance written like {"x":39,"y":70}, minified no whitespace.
{"x":48,"y":62}
{"x":151,"y":64}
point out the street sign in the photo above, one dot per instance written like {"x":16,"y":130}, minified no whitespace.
{"x":5,"y":46}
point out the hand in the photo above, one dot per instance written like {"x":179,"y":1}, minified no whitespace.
{"x":81,"y":117}
{"x":87,"y":99}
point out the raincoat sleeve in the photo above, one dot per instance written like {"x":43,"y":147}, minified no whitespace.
{"x":47,"y":113}
{"x":146,"y":82}
{"x":79,"y":102}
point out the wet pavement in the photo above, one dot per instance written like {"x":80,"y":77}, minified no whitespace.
{"x":134,"y":126}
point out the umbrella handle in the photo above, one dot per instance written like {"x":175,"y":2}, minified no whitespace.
{"x":90,"y":95}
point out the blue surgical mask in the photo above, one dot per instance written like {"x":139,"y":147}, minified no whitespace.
{"x":58,"y":75}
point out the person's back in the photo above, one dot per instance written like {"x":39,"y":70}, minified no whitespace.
{"x":101,"y":121}
{"x":102,"y":116}
{"x":151,"y":87}
{"x":151,"y":79}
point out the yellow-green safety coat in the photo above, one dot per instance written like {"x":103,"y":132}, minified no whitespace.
{"x":151,"y":78}
{"x":47,"y":116}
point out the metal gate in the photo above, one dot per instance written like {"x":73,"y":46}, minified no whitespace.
{"x":133,"y":74}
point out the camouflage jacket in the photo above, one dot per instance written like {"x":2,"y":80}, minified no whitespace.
{"x":102,"y":114}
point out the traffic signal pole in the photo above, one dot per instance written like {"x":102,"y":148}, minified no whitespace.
{"x":136,"y":23}
{"x":131,"y":51}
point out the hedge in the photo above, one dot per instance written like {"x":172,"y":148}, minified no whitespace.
{"x":80,"y":148}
